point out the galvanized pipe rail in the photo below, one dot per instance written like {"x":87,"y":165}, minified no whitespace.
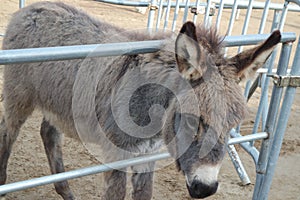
{"x":22,"y":185}
{"x":276,"y":125}
{"x":265,"y":179}
{"x":262,"y":160}
{"x":227,"y":4}
{"x":75,"y":52}
{"x":223,"y":4}
{"x":112,"y":49}
{"x":261,"y":5}
{"x":235,"y":5}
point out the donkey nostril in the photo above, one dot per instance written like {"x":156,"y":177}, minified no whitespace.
{"x":202,"y":190}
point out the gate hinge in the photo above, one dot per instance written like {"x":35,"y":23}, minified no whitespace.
{"x":198,"y":10}
{"x":201,"y":10}
{"x":285,"y":81}
{"x":153,"y":6}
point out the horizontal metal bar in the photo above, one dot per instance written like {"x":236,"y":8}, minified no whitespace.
{"x":248,"y":138}
{"x":227,"y":5}
{"x":22,"y":185}
{"x":251,"y":150}
{"x":113,"y":49}
{"x":78,"y":51}
{"x":145,"y":3}
{"x":127,"y":3}
{"x":231,"y":41}
{"x":295,"y":1}
{"x":261,"y":5}
{"x":265,"y":71}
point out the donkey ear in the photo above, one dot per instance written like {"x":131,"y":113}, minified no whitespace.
{"x":188,"y":52}
{"x":248,"y":61}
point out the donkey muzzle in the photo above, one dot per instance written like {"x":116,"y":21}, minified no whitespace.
{"x":201,"y":190}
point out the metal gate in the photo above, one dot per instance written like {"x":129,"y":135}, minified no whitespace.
{"x":272,"y":114}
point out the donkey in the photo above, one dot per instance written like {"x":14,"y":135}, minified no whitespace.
{"x":186,"y":96}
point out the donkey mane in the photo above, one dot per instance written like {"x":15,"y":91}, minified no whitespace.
{"x":210,"y":39}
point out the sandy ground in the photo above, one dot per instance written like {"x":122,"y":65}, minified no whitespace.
{"x":28,"y":159}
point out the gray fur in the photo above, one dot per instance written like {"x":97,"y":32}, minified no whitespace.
{"x":74,"y":92}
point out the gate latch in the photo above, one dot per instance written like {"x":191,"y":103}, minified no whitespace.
{"x":285,"y":81}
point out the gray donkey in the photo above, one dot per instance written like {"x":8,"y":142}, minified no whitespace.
{"x":185,"y":96}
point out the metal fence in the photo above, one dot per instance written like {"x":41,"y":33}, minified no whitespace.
{"x":273,"y":114}
{"x":160,"y":10}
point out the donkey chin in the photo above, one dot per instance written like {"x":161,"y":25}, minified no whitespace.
{"x":203,"y":182}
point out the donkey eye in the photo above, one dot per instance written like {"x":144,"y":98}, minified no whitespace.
{"x":192,"y":122}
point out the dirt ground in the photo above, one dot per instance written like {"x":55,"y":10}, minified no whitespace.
{"x":28,"y":159}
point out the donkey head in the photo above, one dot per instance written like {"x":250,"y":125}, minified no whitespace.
{"x":199,"y":138}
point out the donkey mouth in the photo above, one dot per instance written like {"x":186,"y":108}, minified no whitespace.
{"x":200,"y":190}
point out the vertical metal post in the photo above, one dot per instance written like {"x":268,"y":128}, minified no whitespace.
{"x":232,"y":17}
{"x":264,"y":95}
{"x":207,"y":12}
{"x":160,"y":8}
{"x":276,"y":17}
{"x":151,"y":15}
{"x":264,"y":79}
{"x":270,"y":124}
{"x":264,"y":85}
{"x":261,"y":105}
{"x":231,"y":22}
{"x":186,"y":10}
{"x":21,"y":3}
{"x":195,"y":14}
{"x":175,"y":15}
{"x":281,"y":127}
{"x":264,"y":17}
{"x":262,"y":111}
{"x":246,"y":22}
{"x":218,"y":21}
{"x":167,"y":14}
{"x":283,"y":15}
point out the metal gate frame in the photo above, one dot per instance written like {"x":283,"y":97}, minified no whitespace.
{"x":274,"y":118}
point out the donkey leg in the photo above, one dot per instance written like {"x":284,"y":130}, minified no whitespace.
{"x":6,"y":141}
{"x":5,"y":149}
{"x":115,"y":185}
{"x":142,"y":181}
{"x":52,"y":143}
{"x":9,"y":131}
